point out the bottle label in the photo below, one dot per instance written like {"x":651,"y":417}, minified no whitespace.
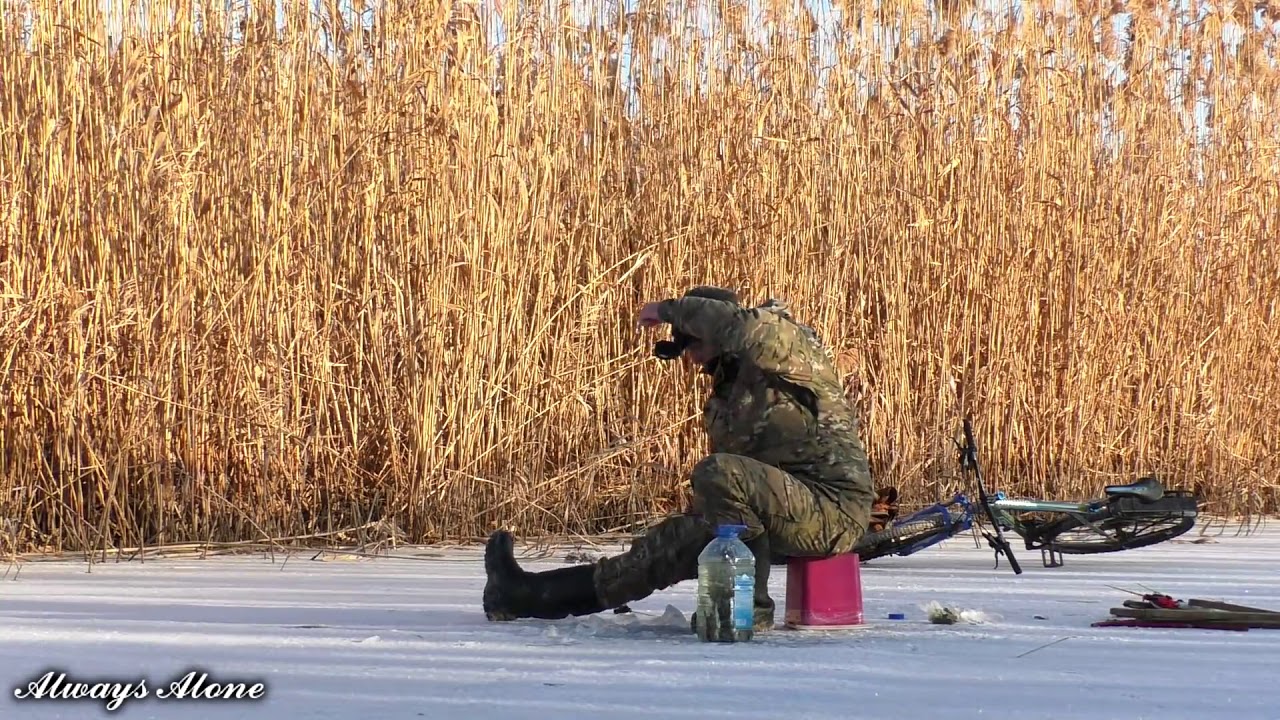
{"x":744,"y":586}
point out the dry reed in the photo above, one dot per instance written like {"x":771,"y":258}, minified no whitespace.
{"x":364,"y":266}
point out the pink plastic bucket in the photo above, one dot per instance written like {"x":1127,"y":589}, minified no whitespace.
{"x":824,"y":592}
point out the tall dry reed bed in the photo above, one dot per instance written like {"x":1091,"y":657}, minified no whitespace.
{"x":383,"y":265}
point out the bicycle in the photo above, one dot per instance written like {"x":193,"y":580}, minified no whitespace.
{"x":1116,"y":522}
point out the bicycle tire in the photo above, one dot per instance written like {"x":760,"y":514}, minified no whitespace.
{"x":890,"y":541}
{"x":1094,"y":547}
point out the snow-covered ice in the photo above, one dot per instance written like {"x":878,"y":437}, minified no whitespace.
{"x":404,"y":638}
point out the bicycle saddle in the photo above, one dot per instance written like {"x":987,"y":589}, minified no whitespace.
{"x":1147,"y":489}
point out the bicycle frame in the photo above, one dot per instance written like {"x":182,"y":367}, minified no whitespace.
{"x":955,"y":524}
{"x":1002,"y":512}
{"x":1002,"y":507}
{"x":1005,"y":503}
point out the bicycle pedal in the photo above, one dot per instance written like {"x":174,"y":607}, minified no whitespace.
{"x":1050,"y":557}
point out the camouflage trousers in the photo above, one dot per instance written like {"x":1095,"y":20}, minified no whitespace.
{"x":784,"y":516}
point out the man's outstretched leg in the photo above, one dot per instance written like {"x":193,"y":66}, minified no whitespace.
{"x":784,"y":518}
{"x":663,"y":556}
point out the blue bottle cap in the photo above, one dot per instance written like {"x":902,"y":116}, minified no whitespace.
{"x":897,"y":616}
{"x":728,"y":531}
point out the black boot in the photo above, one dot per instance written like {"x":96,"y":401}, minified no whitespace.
{"x":512,"y":592}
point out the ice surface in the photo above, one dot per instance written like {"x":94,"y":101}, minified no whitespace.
{"x":404,"y":637}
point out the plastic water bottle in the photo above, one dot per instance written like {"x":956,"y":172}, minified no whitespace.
{"x":726,"y":588}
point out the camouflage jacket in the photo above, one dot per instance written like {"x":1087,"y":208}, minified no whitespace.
{"x":778,"y":399}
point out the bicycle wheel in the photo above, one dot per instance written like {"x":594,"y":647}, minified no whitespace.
{"x":1074,"y":536}
{"x":900,"y":537}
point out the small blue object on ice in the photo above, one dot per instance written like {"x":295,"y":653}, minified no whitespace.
{"x":897,"y":616}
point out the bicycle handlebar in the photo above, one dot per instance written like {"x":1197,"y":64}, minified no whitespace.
{"x":969,"y":460}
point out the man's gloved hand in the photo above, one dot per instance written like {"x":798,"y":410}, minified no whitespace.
{"x":667,"y":349}
{"x":884,"y":509}
{"x":663,"y":349}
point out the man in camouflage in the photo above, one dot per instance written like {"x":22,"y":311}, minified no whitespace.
{"x":786,"y":462}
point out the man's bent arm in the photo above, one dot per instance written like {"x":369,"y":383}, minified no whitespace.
{"x":768,"y":341}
